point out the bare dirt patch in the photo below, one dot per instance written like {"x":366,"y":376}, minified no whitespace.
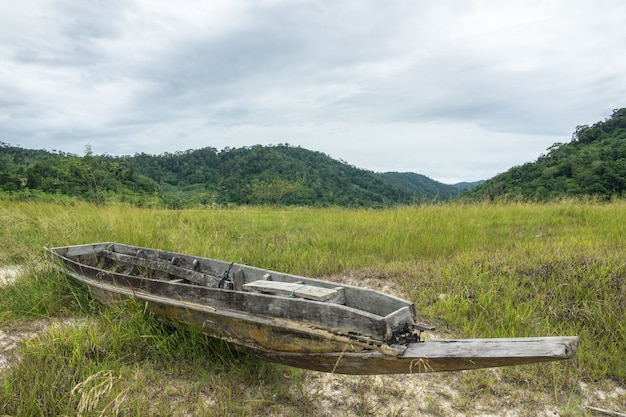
{"x":367,"y":278}
{"x":11,"y":336}
{"x":9,"y":274}
{"x":408,"y":395}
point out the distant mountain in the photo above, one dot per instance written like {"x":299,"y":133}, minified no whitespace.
{"x":275,"y":175}
{"x":468,"y":185}
{"x":282,"y":174}
{"x":593,"y":163}
{"x":421,"y":187}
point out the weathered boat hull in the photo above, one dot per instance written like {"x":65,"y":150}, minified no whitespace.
{"x":255,"y":333}
{"x":321,"y":336}
{"x":269,"y":341}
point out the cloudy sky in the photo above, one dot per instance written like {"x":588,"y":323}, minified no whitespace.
{"x":458,"y":90}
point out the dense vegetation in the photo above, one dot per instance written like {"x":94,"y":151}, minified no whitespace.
{"x":424,"y":187}
{"x":592,"y":164}
{"x":274,"y":175}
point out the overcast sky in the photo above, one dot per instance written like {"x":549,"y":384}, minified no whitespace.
{"x":457,"y":90}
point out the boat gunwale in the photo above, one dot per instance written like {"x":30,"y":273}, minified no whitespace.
{"x":313,"y":281}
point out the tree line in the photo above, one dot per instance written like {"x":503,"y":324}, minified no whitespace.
{"x":592,"y":164}
{"x":255,"y":175}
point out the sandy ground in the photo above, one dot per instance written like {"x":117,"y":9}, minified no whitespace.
{"x":9,"y":338}
{"x":402,"y":395}
{"x":9,"y":273}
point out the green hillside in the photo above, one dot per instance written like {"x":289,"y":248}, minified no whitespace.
{"x":422,"y":187}
{"x":281,"y":174}
{"x":256,"y":175}
{"x":592,"y":164}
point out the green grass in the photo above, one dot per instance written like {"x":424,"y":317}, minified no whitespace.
{"x":110,"y":365}
{"x":476,"y":270}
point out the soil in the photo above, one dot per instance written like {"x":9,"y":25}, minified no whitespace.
{"x":8,"y":274}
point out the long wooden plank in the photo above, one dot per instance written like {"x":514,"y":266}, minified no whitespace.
{"x":81,"y":250}
{"x":438,"y":356}
{"x":184,"y":273}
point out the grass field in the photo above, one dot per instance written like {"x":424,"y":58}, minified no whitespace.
{"x":476,"y":270}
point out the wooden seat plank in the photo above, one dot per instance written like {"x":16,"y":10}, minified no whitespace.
{"x":298,"y":289}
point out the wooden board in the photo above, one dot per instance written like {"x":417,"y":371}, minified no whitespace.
{"x":168,"y":268}
{"x":298,"y":290}
{"x":438,"y":356}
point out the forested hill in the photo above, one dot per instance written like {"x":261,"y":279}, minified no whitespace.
{"x":427,"y":188}
{"x":593,"y":163}
{"x":281,"y":175}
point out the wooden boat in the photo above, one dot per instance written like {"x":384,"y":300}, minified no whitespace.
{"x":293,"y":320}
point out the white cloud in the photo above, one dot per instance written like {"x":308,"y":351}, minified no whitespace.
{"x":456,"y":90}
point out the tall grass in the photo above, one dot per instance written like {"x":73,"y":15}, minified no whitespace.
{"x":125,"y":362}
{"x":477,"y":270}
